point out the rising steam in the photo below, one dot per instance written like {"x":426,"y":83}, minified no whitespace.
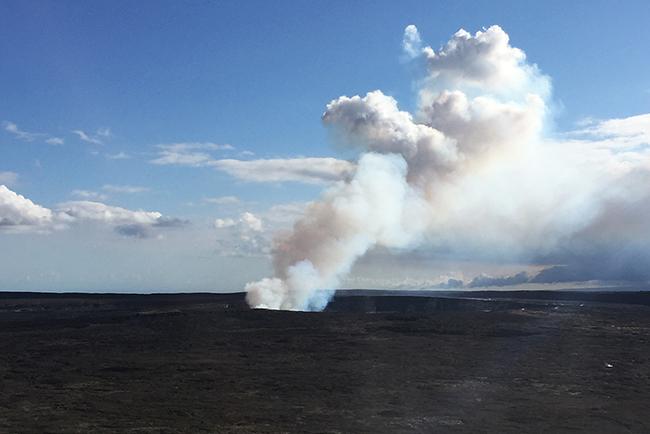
{"x":471,"y":160}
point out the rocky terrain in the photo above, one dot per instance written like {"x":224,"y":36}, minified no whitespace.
{"x":369,"y":364}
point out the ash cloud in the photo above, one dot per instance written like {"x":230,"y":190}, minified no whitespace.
{"x":471,"y":172}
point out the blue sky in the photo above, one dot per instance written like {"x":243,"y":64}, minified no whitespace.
{"x":132,"y":76}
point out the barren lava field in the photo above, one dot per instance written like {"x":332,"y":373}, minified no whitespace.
{"x":369,"y":364}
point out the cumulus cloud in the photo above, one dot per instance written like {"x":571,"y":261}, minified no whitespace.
{"x":483,"y":62}
{"x":224,"y":223}
{"x":471,"y":174}
{"x":100,"y":212}
{"x":18,"y":213}
{"x":243,"y":236}
{"x":412,"y":43}
{"x":252,"y":234}
{"x":251,"y":222}
{"x":455,"y":130}
{"x":126,"y":222}
{"x":376,"y":124}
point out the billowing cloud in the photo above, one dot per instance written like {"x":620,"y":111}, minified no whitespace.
{"x":471,"y":175}
{"x":412,"y":43}
{"x":243,"y":236}
{"x":224,"y":223}
{"x":484,"y":61}
{"x":16,"y":211}
{"x":19,"y":214}
{"x":251,"y":234}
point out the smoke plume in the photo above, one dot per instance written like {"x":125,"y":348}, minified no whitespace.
{"x":470,"y":169}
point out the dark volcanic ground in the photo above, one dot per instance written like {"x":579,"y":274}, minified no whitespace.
{"x":204,"y":363}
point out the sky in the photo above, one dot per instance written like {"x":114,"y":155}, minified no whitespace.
{"x":164,"y":146}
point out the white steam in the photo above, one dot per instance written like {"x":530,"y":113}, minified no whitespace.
{"x":376,"y":207}
{"x":469,"y":170}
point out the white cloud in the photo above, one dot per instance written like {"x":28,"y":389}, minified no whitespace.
{"x":471,"y":175}
{"x":224,"y":223}
{"x":618,"y":133}
{"x":411,"y":43}
{"x":8,"y":178}
{"x":244,"y":236}
{"x":119,"y":156}
{"x":222,"y":200}
{"x":96,"y":211}
{"x":127,"y":189}
{"x":247,"y":221}
{"x":20,"y":134}
{"x":251,"y":221}
{"x":12,"y":128}
{"x":17,"y":212}
{"x":251,"y":234}
{"x":125,"y":222}
{"x":54,"y":141}
{"x":104,"y":132}
{"x":307,"y":170}
{"x":174,"y":158}
{"x":87,"y":137}
{"x":191,"y":154}
{"x":88,"y":194}
{"x":375,"y":123}
{"x":485,"y":61}
{"x":283,"y":215}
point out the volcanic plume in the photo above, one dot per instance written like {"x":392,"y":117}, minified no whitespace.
{"x":471,"y":168}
